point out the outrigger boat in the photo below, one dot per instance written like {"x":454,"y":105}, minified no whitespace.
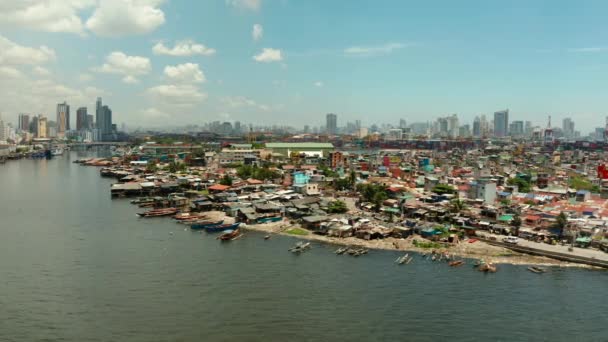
{"x":158,"y":212}
{"x":229,"y":235}
{"x":456,"y":263}
{"x":401,"y":260}
{"x":205,"y":224}
{"x":487,"y":268}
{"x":300,"y":247}
{"x":222,"y":227}
{"x":341,"y":250}
{"x":536,"y":269}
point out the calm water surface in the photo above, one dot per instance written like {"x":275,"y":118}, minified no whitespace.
{"x":78,"y":266}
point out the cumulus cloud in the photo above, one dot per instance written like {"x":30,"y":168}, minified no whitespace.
{"x":184,"y":73}
{"x":40,"y":71}
{"x":10,"y":72}
{"x":258,"y":32}
{"x":115,"y":18}
{"x":12,"y":53}
{"x":44,"y":15}
{"x":268,"y":55}
{"x":128,"y":66}
{"x":377,"y":50}
{"x":183,"y":49}
{"x":177,"y":94}
{"x":253,"y":5}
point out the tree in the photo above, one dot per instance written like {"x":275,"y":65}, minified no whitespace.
{"x":516,"y":223}
{"x":377,"y":199}
{"x":226,"y":180}
{"x":353,"y":179}
{"x":457,"y":205}
{"x":341,"y":183}
{"x":523,"y":185}
{"x":442,"y":189}
{"x":337,"y":207}
{"x":561,"y":222}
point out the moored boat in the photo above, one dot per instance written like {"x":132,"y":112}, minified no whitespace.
{"x":341,"y":250}
{"x":221,"y":227}
{"x":300,"y":247}
{"x":206,"y":224}
{"x":456,"y":263}
{"x":535,"y":269}
{"x":158,"y":212}
{"x":230,"y":234}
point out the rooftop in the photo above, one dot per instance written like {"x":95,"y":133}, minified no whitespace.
{"x":300,"y":145}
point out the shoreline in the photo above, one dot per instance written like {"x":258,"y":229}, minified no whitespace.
{"x":494,"y":254}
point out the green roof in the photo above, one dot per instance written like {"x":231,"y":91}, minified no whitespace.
{"x":507,"y":217}
{"x":299,"y":145}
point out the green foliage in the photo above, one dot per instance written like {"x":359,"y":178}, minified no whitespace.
{"x":226,"y":180}
{"x":581,"y":183}
{"x":151,"y":167}
{"x":328,"y":172}
{"x":522,"y":184}
{"x":175,"y":167}
{"x":374,"y":193}
{"x":337,"y":207}
{"x":426,"y":244}
{"x":297,"y":231}
{"x":561,"y":222}
{"x":442,"y":189}
{"x":261,"y":173}
{"x":516,"y":221}
{"x":457,"y":205}
{"x":341,"y":184}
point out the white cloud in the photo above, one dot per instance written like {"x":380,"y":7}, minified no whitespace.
{"x":176,"y":94}
{"x":588,"y":49}
{"x":40,"y":71}
{"x":127,"y":66}
{"x":183,"y":48}
{"x":12,"y":53}
{"x":234,"y":102}
{"x":85,"y":77}
{"x":368,"y":51}
{"x":10,"y":72}
{"x":268,"y":55}
{"x":154,"y":114}
{"x":318,"y":84}
{"x":115,"y":18}
{"x":185,"y":73}
{"x":253,"y":5}
{"x":258,"y":32}
{"x":44,"y":15}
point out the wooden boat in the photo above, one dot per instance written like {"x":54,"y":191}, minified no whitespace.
{"x":300,"y":247}
{"x":266,"y":237}
{"x":142,"y":200}
{"x":360,"y":252}
{"x":341,"y":250}
{"x":205,"y":224}
{"x":535,"y":269}
{"x":487,"y":268}
{"x":159,"y":212}
{"x":229,"y":235}
{"x":403,"y":259}
{"x":456,"y":263}
{"x":186,"y":216}
{"x":269,"y":219}
{"x":409,"y":260}
{"x":221,"y":227}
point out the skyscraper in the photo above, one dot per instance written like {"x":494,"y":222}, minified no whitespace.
{"x":90,"y":121}
{"x":516,"y":128}
{"x":106,"y":127}
{"x":24,"y":123}
{"x":331,"y":124}
{"x":63,"y":118}
{"x":3,"y":131}
{"x":477,"y":127}
{"x":501,"y":123}
{"x":41,"y":127}
{"x":568,"y":128}
{"x":81,"y":118}
{"x":99,"y":114}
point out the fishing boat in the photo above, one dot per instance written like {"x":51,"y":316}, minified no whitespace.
{"x":187,"y":216}
{"x":221,"y":227}
{"x":341,"y":250}
{"x":57,"y":151}
{"x":229,"y":234}
{"x":409,"y":260}
{"x":456,"y":263}
{"x":206,"y":224}
{"x":266,"y":237}
{"x":535,"y":269}
{"x":487,"y":268}
{"x":300,"y":247}
{"x":360,"y":252}
{"x":142,"y":200}
{"x":269,"y":219}
{"x":401,"y":260}
{"x":158,"y":212}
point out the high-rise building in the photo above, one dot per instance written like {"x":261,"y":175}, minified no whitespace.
{"x":528,"y":129}
{"x":81,"y":118}
{"x":516,"y":128}
{"x":501,"y":123}
{"x":63,"y":118}
{"x":477,"y":127}
{"x":90,"y":121}
{"x":453,"y":126}
{"x":568,"y":128}
{"x":331,"y":124}
{"x":3,"y":131}
{"x":106,"y":127}
{"x":237,"y":127}
{"x":98,"y":113}
{"x":41,"y":127}
{"x":402,"y":123}
{"x":24,"y":123}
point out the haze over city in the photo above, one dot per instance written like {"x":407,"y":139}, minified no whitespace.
{"x":171,"y":63}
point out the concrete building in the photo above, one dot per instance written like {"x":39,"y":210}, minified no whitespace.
{"x":331,"y":125}
{"x":81,"y":119}
{"x":24,"y":123}
{"x":501,"y":123}
{"x":63,"y":118}
{"x":309,"y":149}
{"x":568,"y":128}
{"x":453,"y":126}
{"x":477,"y":127}
{"x":516,"y":129}
{"x":3,"y":131}
{"x":41,"y":131}
{"x":483,"y":189}
{"x":394,"y":134}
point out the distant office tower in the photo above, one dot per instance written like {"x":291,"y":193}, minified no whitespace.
{"x":41,"y":127}
{"x":501,"y":123}
{"x":63,"y":118}
{"x":528,"y":129}
{"x":98,"y":113}
{"x":237,"y":127}
{"x":516,"y":128}
{"x":464,"y":131}
{"x":568,"y":128}
{"x":90,"y":121}
{"x":453,"y":126}
{"x":3,"y":131}
{"x":106,"y":127}
{"x":402,"y":123}
{"x":477,"y":127}
{"x":226,"y":127}
{"x":306,"y":129}
{"x":331,"y":123}
{"x":81,"y":118}
{"x":24,"y":123}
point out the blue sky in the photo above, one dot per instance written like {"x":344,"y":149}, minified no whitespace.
{"x":376,"y":61}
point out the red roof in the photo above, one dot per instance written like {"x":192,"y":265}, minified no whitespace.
{"x":254,"y":181}
{"x":219,"y":187}
{"x":532,"y":218}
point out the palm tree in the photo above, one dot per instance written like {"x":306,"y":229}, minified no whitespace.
{"x":457,"y":205}
{"x":516,"y":223}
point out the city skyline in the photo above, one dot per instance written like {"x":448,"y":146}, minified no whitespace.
{"x":187,"y":63}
